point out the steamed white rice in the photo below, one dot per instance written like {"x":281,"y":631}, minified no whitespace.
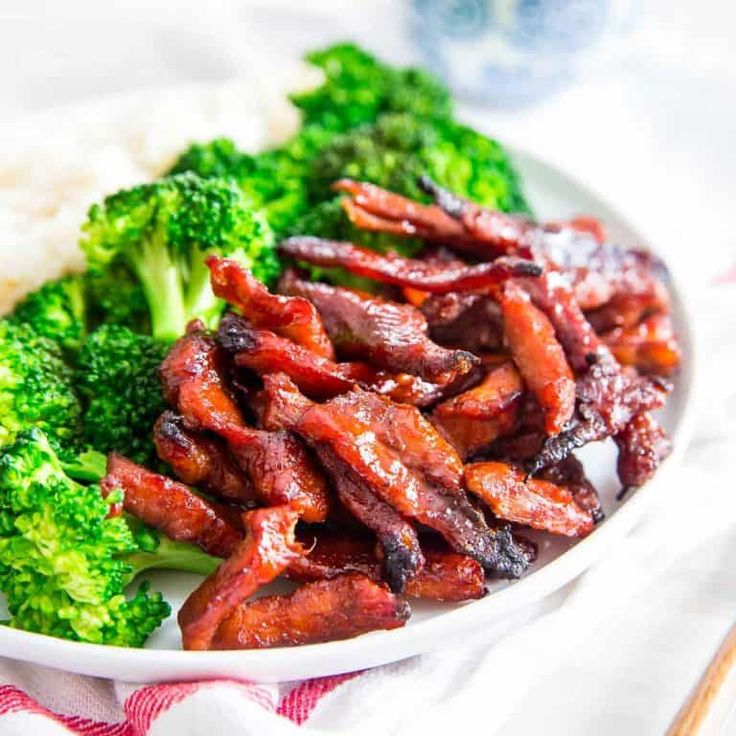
{"x":54,"y":165}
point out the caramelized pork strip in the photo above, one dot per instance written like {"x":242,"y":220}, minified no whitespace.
{"x":539,"y":356}
{"x":607,"y":398}
{"x":390,"y":268}
{"x":642,"y":445}
{"x":445,"y":576}
{"x":465,"y":321}
{"x":472,"y":420}
{"x":173,"y":508}
{"x":402,"y":557}
{"x":266,"y":551}
{"x":570,"y":474}
{"x":277,"y":464}
{"x":404,"y":461}
{"x":265,"y":352}
{"x":200,"y":460}
{"x":325,"y":610}
{"x":650,"y":346}
{"x":292,"y":317}
{"x":375,"y":209}
{"x":389,"y":335}
{"x":597,"y":271}
{"x":607,"y":395}
{"x":533,"y":502}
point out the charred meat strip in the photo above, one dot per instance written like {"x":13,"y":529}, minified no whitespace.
{"x":569,"y":474}
{"x":402,"y":557}
{"x":392,"y":336}
{"x":292,"y":317}
{"x":533,"y":502}
{"x":200,"y":460}
{"x":277,"y":464}
{"x":539,"y":357}
{"x":472,"y":420}
{"x":607,"y":399}
{"x":445,"y":576}
{"x":433,"y":277}
{"x":325,"y":610}
{"x":173,"y":508}
{"x":419,"y":478}
{"x":264,"y":554}
{"x":265,"y":352}
{"x":642,"y":445}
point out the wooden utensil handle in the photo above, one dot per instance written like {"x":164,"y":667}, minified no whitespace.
{"x":693,"y":713}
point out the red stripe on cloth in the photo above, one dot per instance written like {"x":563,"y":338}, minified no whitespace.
{"x":14,"y":700}
{"x":145,"y":705}
{"x":298,"y":704}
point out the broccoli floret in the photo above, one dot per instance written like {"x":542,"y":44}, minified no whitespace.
{"x":117,"y":379}
{"x":65,"y":562}
{"x":358,"y":88}
{"x":115,"y":296}
{"x":164,"y":230}
{"x":57,"y":311}
{"x":37,"y":388}
{"x":273,"y":180}
{"x":395,"y":150}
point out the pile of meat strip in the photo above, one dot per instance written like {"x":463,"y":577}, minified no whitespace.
{"x":379,"y":447}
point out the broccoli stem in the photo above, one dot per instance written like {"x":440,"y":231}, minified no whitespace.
{"x":162,"y":285}
{"x":170,"y":555}
{"x":200,"y":301}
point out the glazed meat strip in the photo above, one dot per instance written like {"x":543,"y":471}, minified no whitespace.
{"x":402,"y":557}
{"x":470,"y":322}
{"x":539,"y":356}
{"x":389,"y":335}
{"x":445,"y":576}
{"x":173,"y":508}
{"x":265,"y":352}
{"x":530,"y":501}
{"x":642,"y":445}
{"x":433,"y":277}
{"x":200,"y":460}
{"x":597,"y":271}
{"x":266,"y":551}
{"x":277,"y":464}
{"x":607,"y":396}
{"x":570,"y":474}
{"x":472,"y":420}
{"x":292,"y":317}
{"x":650,"y":346}
{"x":398,"y":454}
{"x":325,"y":610}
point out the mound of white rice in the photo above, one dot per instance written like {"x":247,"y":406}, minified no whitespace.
{"x":55,"y":164}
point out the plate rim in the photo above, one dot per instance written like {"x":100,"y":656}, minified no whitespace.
{"x":330,"y":658}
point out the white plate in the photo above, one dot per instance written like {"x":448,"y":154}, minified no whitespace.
{"x":554,"y":195}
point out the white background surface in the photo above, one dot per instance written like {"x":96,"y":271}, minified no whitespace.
{"x":657,"y":123}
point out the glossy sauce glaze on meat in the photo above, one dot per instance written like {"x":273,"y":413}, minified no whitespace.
{"x":375,"y":448}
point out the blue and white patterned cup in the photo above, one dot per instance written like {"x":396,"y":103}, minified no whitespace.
{"x":511,"y":52}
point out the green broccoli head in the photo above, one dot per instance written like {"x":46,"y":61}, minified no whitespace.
{"x":57,"y":311}
{"x":37,"y":388}
{"x":395,"y":150}
{"x":115,"y":296}
{"x":65,"y":560}
{"x":273,"y":180}
{"x":60,"y":553}
{"x":164,"y":230}
{"x":117,"y":379}
{"x":358,"y":88}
